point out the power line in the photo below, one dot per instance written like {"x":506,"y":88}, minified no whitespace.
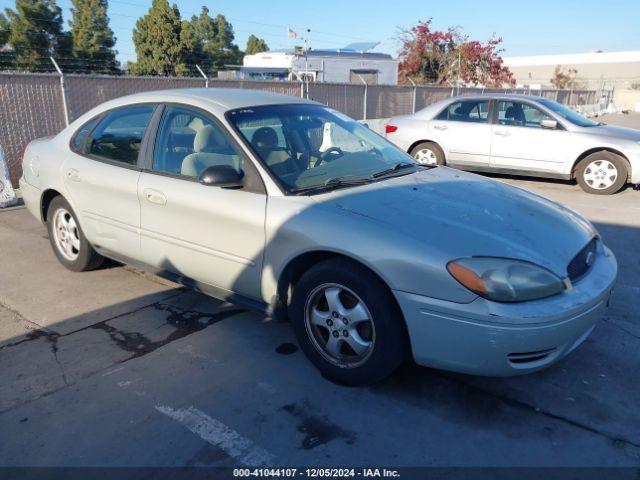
{"x":232,"y":19}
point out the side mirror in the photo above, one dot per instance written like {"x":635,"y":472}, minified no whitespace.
{"x":221,"y":176}
{"x":549,"y":124}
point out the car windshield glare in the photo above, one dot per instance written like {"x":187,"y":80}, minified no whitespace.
{"x":307,"y":146}
{"x":568,"y":114}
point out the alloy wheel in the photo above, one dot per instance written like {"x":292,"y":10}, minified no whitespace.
{"x":66,"y":235}
{"x":339,"y":325}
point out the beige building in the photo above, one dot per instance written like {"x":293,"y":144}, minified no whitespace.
{"x":619,"y":70}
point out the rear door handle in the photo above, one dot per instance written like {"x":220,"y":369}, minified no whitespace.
{"x":440,"y":127}
{"x":73,"y":175}
{"x":154,"y":196}
{"x":501,"y":133}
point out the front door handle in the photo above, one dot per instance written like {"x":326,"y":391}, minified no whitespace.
{"x":440,"y":127}
{"x":501,"y":133}
{"x":154,"y":196}
{"x":73,"y":175}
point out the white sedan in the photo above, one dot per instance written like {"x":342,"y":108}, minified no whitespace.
{"x":520,"y":135}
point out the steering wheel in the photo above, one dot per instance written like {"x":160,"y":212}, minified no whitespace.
{"x":331,"y":154}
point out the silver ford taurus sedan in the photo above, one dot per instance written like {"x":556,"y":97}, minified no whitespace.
{"x":292,"y":208}
{"x":521,"y":135}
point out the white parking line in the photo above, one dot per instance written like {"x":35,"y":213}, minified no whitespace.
{"x":218,"y":434}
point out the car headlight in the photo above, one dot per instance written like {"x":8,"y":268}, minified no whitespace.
{"x":505,"y":279}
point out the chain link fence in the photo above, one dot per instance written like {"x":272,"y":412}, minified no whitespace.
{"x":33,"y":105}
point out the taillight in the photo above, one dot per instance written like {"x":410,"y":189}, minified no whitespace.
{"x":390,"y":128}
{"x":22,"y":152}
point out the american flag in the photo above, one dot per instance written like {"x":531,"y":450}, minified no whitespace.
{"x":291,"y":33}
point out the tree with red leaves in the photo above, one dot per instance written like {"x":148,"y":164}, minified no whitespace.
{"x":447,"y":57}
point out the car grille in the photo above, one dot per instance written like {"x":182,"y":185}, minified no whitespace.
{"x":582,"y":261}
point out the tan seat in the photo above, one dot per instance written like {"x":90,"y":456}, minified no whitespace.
{"x":210,"y":148}
{"x":265,"y":141}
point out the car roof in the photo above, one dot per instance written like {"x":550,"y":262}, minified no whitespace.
{"x":216,"y":99}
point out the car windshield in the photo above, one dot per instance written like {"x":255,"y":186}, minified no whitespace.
{"x":568,"y":114}
{"x":309,"y":147}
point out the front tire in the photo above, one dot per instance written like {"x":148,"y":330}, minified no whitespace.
{"x":428,"y":153}
{"x":602,"y":173}
{"x":67,"y":239}
{"x":347,"y":323}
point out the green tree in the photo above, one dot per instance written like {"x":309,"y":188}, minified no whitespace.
{"x":255,"y":45}
{"x":92,"y":39}
{"x":214,"y":47}
{"x":158,"y":42}
{"x":4,"y":30}
{"x":226,"y":52}
{"x":35,"y":33}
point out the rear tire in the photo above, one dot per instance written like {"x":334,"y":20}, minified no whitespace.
{"x":602,"y":173}
{"x":428,"y":153}
{"x":67,"y":239}
{"x":347,"y":323}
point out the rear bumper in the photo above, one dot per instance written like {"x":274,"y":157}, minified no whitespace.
{"x":489,"y":338}
{"x":31,"y":197}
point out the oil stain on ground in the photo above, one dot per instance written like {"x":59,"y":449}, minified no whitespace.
{"x":286,"y":348}
{"x":185,"y":323}
{"x":317,"y":430}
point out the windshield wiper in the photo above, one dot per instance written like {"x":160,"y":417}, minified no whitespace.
{"x":398,"y":166}
{"x":330,"y":184}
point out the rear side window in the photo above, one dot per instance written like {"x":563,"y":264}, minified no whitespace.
{"x":78,"y":138}
{"x":476,"y":111}
{"x":119,"y":135}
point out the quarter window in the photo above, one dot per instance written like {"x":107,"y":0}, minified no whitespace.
{"x":119,"y":135}
{"x":188,"y":142}
{"x":475,"y":111}
{"x":78,"y":138}
{"x":520,"y":114}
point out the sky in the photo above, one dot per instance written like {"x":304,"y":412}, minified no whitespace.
{"x":527,"y":28}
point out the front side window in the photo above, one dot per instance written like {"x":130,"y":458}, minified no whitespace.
{"x":520,"y":114}
{"x":308,"y":146}
{"x":568,"y":114}
{"x":119,"y":135}
{"x":476,"y":111}
{"x":189,"y":141}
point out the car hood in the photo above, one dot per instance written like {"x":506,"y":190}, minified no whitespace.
{"x":457,"y":214}
{"x":613,"y":132}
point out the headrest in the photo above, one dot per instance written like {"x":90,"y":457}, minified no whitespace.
{"x":264,"y":137}
{"x":196,"y":124}
{"x":511,"y":112}
{"x":208,"y":139}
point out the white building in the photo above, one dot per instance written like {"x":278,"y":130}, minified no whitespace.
{"x":595,"y":69}
{"x":352,"y":64}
